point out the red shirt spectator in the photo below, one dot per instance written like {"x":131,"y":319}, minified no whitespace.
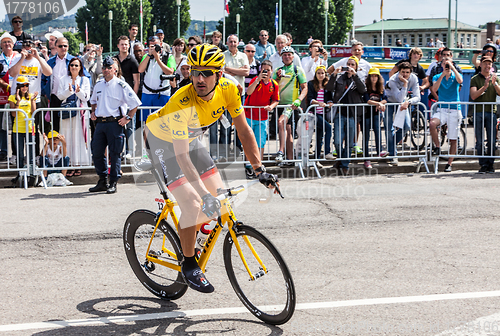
{"x":263,"y":95}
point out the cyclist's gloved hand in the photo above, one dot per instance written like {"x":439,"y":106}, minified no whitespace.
{"x":296,"y":102}
{"x":211,"y":205}
{"x":267,"y":179}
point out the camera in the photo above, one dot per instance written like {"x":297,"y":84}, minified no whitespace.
{"x":477,"y":52}
{"x":157,"y":48}
{"x":321,"y":50}
{"x":447,"y":66}
{"x":265,"y":71}
{"x":345,"y":68}
{"x":170,"y":77}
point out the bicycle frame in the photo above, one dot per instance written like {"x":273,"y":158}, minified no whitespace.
{"x":226,"y":217}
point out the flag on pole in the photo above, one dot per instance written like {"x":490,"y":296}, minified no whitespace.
{"x":227,"y":7}
{"x":361,"y":2}
{"x":276,"y":17}
{"x":381,"y":7}
{"x":86,"y":33}
{"x":204,"y":29}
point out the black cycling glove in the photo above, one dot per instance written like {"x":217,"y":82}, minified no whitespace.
{"x":211,"y":205}
{"x":267,"y":179}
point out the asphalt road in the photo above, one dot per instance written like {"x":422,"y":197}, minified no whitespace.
{"x":373,"y":255}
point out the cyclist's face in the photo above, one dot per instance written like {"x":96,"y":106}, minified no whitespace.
{"x":203,"y":85}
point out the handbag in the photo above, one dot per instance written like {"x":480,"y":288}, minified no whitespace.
{"x":68,"y":103}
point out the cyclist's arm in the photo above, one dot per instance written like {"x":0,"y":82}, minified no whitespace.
{"x":181,"y":149}
{"x":248,"y":141}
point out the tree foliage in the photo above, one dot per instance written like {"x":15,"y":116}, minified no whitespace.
{"x":74,"y":41}
{"x":125,"y":12}
{"x":301,"y":18}
{"x":165,"y":18}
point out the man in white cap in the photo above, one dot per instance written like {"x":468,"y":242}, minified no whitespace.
{"x":7,"y":43}
{"x":52,"y":38}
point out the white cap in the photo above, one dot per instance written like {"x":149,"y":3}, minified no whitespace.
{"x":55,"y":33}
{"x":184,"y":62}
{"x":7,"y":35}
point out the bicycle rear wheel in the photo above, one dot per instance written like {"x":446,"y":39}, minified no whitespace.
{"x":162,"y":281}
{"x":417,"y":133}
{"x":271,"y":295}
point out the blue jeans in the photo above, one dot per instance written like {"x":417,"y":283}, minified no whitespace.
{"x":371,"y":122}
{"x":343,"y":137}
{"x":323,"y":128}
{"x":487,"y":121}
{"x":63,"y":162}
{"x":393,"y":139}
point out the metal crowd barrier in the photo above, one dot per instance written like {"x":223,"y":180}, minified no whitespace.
{"x":17,"y":144}
{"x":365,"y":131}
{"x":477,"y":132}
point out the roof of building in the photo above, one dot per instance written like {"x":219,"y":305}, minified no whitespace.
{"x":416,"y":24}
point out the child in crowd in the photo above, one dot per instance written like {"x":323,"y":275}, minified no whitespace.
{"x":22,"y":133}
{"x":374,"y":96}
{"x":55,"y":153}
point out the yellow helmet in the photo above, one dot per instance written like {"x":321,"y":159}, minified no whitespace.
{"x":22,"y":80}
{"x":206,"y":55}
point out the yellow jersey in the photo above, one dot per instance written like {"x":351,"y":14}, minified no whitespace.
{"x":186,"y":116}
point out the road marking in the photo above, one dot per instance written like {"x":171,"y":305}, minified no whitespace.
{"x":239,"y":310}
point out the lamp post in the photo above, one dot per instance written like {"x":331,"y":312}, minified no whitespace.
{"x":326,"y":21}
{"x":178,"y":18}
{"x":110,"y":15}
{"x":238,"y":25}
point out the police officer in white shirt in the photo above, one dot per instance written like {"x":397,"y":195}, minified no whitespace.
{"x":108,"y":111}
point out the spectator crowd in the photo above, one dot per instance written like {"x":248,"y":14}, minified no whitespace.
{"x":274,"y":82}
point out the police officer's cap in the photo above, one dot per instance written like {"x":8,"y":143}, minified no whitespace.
{"x":108,"y":61}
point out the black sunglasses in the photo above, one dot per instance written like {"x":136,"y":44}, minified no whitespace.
{"x":192,"y":44}
{"x":17,"y":21}
{"x":74,"y":65}
{"x":204,"y":73}
{"x":63,"y":46}
{"x":250,"y":51}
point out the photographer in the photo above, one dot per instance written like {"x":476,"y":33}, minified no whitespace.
{"x":156,"y":91}
{"x":490,"y":50}
{"x":318,"y":56}
{"x":177,"y":83}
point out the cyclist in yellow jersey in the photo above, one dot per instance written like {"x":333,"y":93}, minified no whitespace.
{"x":188,"y":170}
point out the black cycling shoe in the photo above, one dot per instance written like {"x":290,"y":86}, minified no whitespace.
{"x":197,"y":280}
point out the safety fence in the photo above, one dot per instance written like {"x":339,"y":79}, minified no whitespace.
{"x":286,"y":137}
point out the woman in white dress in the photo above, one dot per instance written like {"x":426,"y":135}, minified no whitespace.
{"x":75,"y":86}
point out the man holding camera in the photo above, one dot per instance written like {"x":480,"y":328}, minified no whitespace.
{"x":318,"y":56}
{"x":156,"y":89}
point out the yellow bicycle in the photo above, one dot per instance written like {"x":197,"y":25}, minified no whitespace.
{"x":256,"y":270}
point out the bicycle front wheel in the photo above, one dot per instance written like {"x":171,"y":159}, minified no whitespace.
{"x":162,"y":281}
{"x":270,"y":295}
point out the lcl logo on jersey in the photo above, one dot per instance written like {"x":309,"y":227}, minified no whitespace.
{"x":224,"y":85}
{"x":184,"y":101}
{"x":219,"y":111}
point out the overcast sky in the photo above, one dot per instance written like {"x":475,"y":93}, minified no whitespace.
{"x":473,"y":12}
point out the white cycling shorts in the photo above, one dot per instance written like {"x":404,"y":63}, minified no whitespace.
{"x":450,"y":117}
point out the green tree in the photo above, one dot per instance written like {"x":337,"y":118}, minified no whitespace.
{"x":165,"y":18}
{"x":300,"y":18}
{"x":74,"y":41}
{"x":125,"y":12}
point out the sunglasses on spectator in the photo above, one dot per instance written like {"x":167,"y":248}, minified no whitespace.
{"x":488,"y":51}
{"x":24,"y":85}
{"x":62,"y":46}
{"x":250,"y":51}
{"x":17,"y":21}
{"x":74,"y":65}
{"x":264,"y":35}
{"x":204,"y":73}
{"x":192,"y":44}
